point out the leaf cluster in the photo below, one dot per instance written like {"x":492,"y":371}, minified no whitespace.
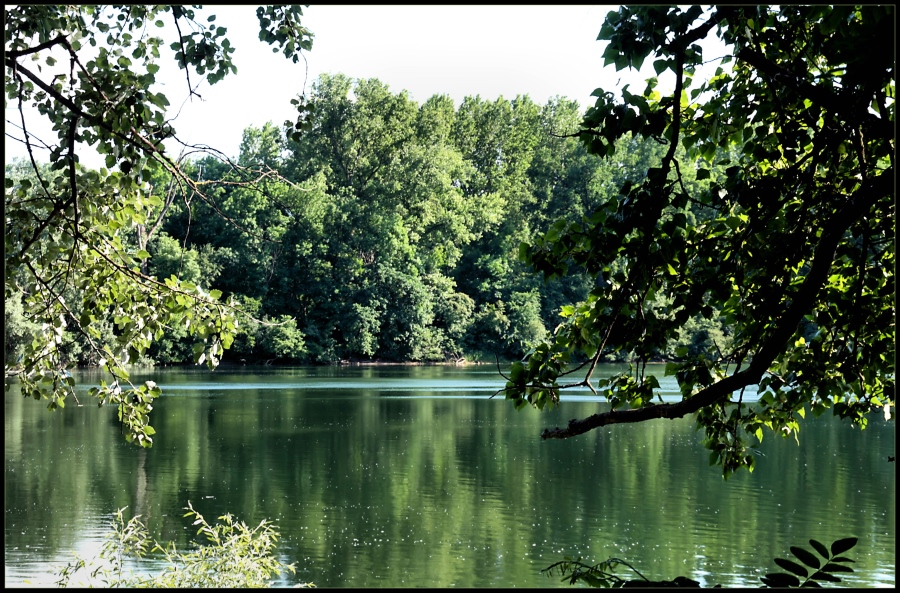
{"x":76,"y":240}
{"x":235,"y":555}
{"x":813,"y":570}
{"x":786,"y":236}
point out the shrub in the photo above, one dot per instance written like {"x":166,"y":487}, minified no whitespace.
{"x":237,"y":556}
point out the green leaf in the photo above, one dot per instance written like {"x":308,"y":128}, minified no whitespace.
{"x":819,"y":547}
{"x":702,"y":174}
{"x":792,"y":566}
{"x":805,"y":556}
{"x":842,"y":545}
{"x":832,"y":567}
{"x":824,"y":576}
{"x":779,"y":579}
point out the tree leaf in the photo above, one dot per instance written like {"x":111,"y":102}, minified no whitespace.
{"x":842,"y":545}
{"x":824,"y":576}
{"x":805,"y":556}
{"x":791,"y":566}
{"x":779,"y":579}
{"x":820,"y":548}
{"x":832,"y":567}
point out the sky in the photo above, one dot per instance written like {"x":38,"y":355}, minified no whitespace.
{"x":491,"y":51}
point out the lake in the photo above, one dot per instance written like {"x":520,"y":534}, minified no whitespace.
{"x":411,"y":476}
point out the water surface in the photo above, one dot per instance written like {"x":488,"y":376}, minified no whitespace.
{"x":412,"y":476}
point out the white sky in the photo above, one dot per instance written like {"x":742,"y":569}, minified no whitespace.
{"x":491,"y":51}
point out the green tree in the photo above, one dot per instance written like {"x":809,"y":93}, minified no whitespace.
{"x":90,"y":71}
{"x":792,"y":247}
{"x":377,"y":279}
{"x":246,"y":223}
{"x":500,"y":139}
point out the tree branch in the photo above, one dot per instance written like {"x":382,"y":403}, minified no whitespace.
{"x":13,"y":55}
{"x":184,"y":63}
{"x":817,"y":94}
{"x":864,"y":198}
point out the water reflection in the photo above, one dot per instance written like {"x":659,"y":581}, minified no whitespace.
{"x":412,"y":476}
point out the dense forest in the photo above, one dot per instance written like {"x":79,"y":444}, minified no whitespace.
{"x":387,"y":231}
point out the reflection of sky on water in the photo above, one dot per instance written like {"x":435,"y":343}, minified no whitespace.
{"x":478,"y":387}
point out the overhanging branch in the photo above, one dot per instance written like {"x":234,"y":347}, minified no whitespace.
{"x":862,"y":200}
{"x":13,"y":55}
{"x":817,"y":94}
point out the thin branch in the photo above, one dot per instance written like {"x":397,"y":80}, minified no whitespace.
{"x":676,"y":110}
{"x":497,"y":358}
{"x":73,"y":125}
{"x":184,"y":63}
{"x":142,"y":144}
{"x":27,"y":134}
{"x":587,"y":377}
{"x":13,"y":55}
{"x":573,"y":134}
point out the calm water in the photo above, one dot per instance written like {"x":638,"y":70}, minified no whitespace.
{"x":411,"y":476}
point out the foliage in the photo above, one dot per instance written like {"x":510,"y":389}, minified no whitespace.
{"x":834,"y":562}
{"x":375,"y":228}
{"x":280,"y":339}
{"x":604,"y":575}
{"x":786,"y":239}
{"x":17,"y":330}
{"x":76,"y":240}
{"x":411,"y":265}
{"x":236,"y":556}
{"x":390,"y":234}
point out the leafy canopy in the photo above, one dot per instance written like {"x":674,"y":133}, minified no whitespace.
{"x":792,"y":244}
{"x":75,"y":240}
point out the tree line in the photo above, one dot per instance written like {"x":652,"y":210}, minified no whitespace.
{"x":387,"y":231}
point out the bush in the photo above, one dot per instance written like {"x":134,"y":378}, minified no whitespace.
{"x":237,"y":556}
